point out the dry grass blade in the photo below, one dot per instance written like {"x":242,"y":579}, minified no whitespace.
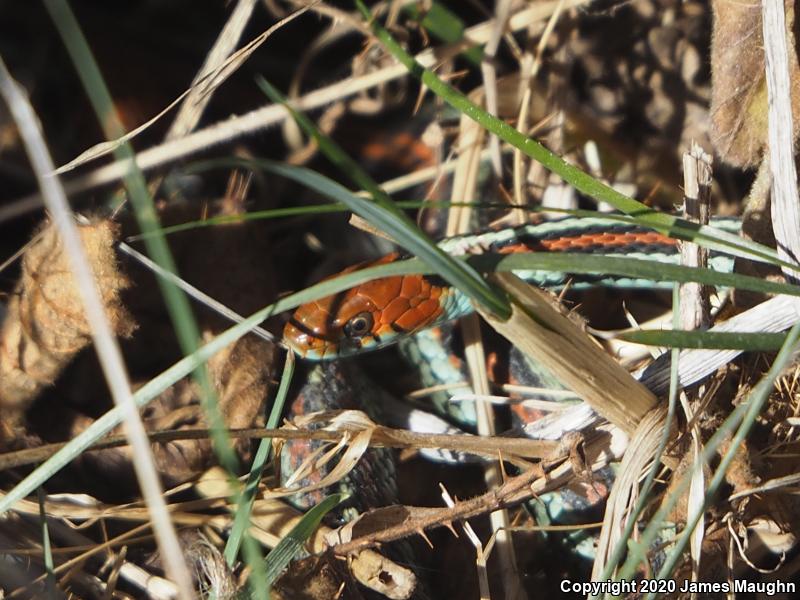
{"x":358,"y":430}
{"x":639,"y":455}
{"x":204,"y":84}
{"x":775,"y":315}
{"x":546,"y":334}
{"x":780,"y":66}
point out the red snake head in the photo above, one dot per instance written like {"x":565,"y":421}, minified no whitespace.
{"x":366,"y":317}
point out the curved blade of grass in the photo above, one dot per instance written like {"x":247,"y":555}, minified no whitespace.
{"x":627,"y":266}
{"x":336,"y":207}
{"x":583,"y":182}
{"x":712,"y":232}
{"x":566,"y":262}
{"x":385,"y":216}
{"x":242,"y":519}
{"x":293,"y":543}
{"x":634,"y":268}
{"x":709,"y":340}
{"x":332,"y":151}
{"x":645,"y":490}
{"x":317,"y":209}
{"x":439,"y":261}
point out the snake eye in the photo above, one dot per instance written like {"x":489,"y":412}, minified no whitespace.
{"x":359,"y":326}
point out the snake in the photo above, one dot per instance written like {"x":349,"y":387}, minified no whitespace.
{"x":409,"y":308}
{"x":382,"y":311}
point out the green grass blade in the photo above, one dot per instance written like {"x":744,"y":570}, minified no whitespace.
{"x":628,"y":267}
{"x":710,"y":340}
{"x":291,"y":545}
{"x":333,"y":152}
{"x":565,"y":262}
{"x":257,"y":580}
{"x":247,"y":498}
{"x":177,"y":303}
{"x":709,"y":236}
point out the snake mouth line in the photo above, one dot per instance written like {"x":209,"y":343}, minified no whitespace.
{"x":321,"y":346}
{"x":311,"y":333}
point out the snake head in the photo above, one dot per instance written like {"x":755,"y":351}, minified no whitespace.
{"x":366,"y":317}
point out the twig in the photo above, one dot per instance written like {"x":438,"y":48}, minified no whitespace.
{"x":512,"y":492}
{"x":490,"y":447}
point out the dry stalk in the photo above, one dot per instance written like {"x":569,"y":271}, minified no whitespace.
{"x":537,"y":480}
{"x":512,"y":449}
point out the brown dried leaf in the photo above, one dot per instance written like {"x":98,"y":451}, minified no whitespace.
{"x":316,"y":578}
{"x":317,"y":470}
{"x":738,"y":85}
{"x":45,"y":325}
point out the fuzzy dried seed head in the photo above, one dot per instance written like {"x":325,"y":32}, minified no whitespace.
{"x":45,"y":324}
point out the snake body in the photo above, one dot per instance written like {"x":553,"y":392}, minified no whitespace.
{"x":406,"y":308}
{"x":379,"y":312}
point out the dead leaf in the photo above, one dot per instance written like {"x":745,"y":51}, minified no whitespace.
{"x":738,"y":84}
